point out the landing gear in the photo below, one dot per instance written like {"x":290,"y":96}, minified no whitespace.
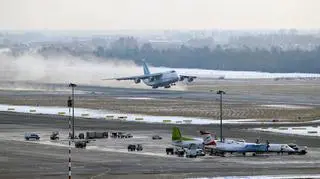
{"x":154,"y":87}
{"x":167,"y":86}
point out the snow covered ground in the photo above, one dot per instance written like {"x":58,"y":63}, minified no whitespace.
{"x":301,"y":130}
{"x":262,"y":177}
{"x":286,"y":106}
{"x":110,"y":115}
{"x":136,"y":98}
{"x":235,"y":74}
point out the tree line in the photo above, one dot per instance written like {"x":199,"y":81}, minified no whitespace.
{"x":218,"y":58}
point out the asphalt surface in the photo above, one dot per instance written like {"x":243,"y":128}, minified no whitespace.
{"x":108,"y":159}
{"x":21,"y":159}
{"x":271,"y":98}
{"x":247,"y":95}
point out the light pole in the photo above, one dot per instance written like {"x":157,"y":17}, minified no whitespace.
{"x":70,"y":135}
{"x":72,"y":87}
{"x":221,"y":93}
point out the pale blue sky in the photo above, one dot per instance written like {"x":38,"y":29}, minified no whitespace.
{"x":158,"y":14}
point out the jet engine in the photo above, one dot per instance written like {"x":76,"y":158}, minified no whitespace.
{"x":190,"y":79}
{"x":137,"y":80}
{"x":151,"y":79}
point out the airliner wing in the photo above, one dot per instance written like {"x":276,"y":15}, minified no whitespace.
{"x":141,"y":77}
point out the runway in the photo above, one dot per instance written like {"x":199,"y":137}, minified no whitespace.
{"x":253,"y":90}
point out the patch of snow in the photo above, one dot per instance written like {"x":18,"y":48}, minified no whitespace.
{"x":136,"y":98}
{"x":301,"y":130}
{"x":286,"y":106}
{"x":110,"y":115}
{"x":235,"y":74}
{"x":104,"y":114}
{"x":261,"y":177}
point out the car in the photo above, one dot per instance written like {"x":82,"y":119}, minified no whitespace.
{"x":156,"y":137}
{"x":32,"y":135}
{"x":80,"y":144}
{"x":131,"y":147}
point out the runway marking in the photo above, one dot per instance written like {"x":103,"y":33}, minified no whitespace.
{"x":101,"y":174}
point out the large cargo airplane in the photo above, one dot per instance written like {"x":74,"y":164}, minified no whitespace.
{"x":155,"y":80}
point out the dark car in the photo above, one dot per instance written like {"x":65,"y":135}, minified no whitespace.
{"x":29,"y":136}
{"x":131,"y":147}
{"x":156,"y":137}
{"x":80,"y":144}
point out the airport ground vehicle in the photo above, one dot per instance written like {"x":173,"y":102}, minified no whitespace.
{"x":200,"y":152}
{"x":96,"y":135}
{"x":179,"y":152}
{"x":156,"y":137}
{"x":300,"y":150}
{"x":81,"y":136}
{"x":170,"y":150}
{"x":32,"y":135}
{"x":121,"y":135}
{"x":139,"y":147}
{"x":54,"y":135}
{"x":126,"y":136}
{"x":133,"y":147}
{"x":80,"y":144}
{"x":191,"y":151}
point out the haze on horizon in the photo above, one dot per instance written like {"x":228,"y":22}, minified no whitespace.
{"x":158,"y":14}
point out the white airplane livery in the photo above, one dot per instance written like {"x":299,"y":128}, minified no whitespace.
{"x":155,"y":80}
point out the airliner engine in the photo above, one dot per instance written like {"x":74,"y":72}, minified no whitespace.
{"x":137,"y":80}
{"x":190,"y":79}
{"x":151,"y":79}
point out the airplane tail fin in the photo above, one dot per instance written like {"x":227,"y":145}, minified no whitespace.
{"x":208,"y":138}
{"x":176,"y":135}
{"x":146,"y":70}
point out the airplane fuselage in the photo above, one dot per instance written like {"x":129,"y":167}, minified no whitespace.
{"x":240,"y":147}
{"x":186,"y":144}
{"x":165,"y":80}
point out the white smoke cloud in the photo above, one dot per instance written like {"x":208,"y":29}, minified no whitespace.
{"x":66,"y":69}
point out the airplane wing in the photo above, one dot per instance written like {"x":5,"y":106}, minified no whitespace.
{"x":141,"y":77}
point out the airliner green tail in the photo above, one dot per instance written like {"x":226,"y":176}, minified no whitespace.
{"x":176,"y":135}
